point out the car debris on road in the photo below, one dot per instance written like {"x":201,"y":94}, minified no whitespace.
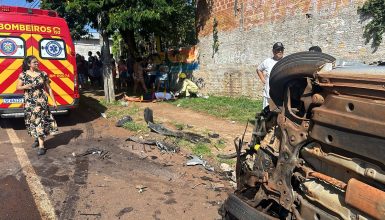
{"x":103,"y":154}
{"x":161,"y":145}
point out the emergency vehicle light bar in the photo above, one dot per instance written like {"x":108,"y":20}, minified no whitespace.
{"x":15,"y":9}
{"x":5,"y":9}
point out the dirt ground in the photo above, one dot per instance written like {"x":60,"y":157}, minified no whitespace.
{"x":133,"y":181}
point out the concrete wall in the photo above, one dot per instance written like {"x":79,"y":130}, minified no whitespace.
{"x":247,"y":30}
{"x":84,"y":45}
{"x":92,"y":44}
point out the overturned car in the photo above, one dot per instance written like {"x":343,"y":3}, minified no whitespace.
{"x":319,"y":153}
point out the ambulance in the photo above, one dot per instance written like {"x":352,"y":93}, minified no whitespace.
{"x":42,"y":33}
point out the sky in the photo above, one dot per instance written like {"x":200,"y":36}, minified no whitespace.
{"x":21,"y":3}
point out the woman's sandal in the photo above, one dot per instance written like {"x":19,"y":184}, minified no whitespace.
{"x":41,"y":151}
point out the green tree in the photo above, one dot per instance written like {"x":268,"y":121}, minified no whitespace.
{"x":137,"y":21}
{"x":374,"y":10}
{"x":78,"y":14}
{"x":96,"y":13}
{"x":75,"y":22}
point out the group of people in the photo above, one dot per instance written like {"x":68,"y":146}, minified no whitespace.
{"x":90,"y":70}
{"x":264,"y":69}
{"x":143,"y":73}
{"x":147,"y":74}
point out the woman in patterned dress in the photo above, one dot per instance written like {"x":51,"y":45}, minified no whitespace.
{"x":38,"y":118}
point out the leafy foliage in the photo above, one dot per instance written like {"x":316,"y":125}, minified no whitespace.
{"x":374,"y":10}
{"x":75,"y":22}
{"x":138,"y":21}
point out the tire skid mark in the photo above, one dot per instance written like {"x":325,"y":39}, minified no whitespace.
{"x":80,"y":178}
{"x":90,"y":132}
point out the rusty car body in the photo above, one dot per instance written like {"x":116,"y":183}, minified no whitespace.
{"x":319,"y":153}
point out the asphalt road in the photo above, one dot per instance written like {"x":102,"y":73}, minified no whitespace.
{"x":122,"y":180}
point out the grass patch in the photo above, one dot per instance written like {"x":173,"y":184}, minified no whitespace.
{"x":238,"y":109}
{"x":105,"y":103}
{"x":201,"y":149}
{"x":183,"y":143}
{"x":179,"y":126}
{"x":230,"y":162}
{"x":133,"y":126}
{"x":220,"y":144}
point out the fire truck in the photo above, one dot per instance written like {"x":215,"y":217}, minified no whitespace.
{"x":42,"y":33}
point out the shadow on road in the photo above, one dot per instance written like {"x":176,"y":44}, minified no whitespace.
{"x":62,"y":138}
{"x":14,"y":123}
{"x":89,"y":110}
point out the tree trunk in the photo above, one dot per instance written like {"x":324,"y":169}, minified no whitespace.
{"x":129,"y":39}
{"x":109,"y":92}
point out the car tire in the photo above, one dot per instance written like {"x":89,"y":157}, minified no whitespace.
{"x":294,"y":66}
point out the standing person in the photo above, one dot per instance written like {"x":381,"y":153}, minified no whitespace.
{"x":264,"y":69}
{"x":38,"y":118}
{"x":90,"y":61}
{"x":315,"y":49}
{"x":123,"y":76}
{"x":99,"y":55}
{"x":138,"y":75}
{"x":151,"y":72}
{"x":162,"y":76}
{"x":83,"y":72}
{"x":97,"y":71}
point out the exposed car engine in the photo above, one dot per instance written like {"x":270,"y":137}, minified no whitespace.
{"x":318,"y":152}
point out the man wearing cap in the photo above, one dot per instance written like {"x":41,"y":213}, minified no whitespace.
{"x":264,"y":69}
{"x":315,"y":49}
{"x":188,"y":87}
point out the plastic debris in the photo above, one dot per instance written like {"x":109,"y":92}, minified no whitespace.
{"x":195,"y":160}
{"x":148,"y":115}
{"x":92,"y":151}
{"x":162,"y":146}
{"x":141,"y":188}
{"x":192,"y":137}
{"x":123,"y":120}
{"x":213,"y":135}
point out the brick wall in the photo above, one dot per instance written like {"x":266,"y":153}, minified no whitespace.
{"x":247,"y":29}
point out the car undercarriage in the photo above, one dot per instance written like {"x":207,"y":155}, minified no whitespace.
{"x":318,"y":151}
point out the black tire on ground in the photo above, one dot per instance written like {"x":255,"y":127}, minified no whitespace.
{"x":294,"y":66}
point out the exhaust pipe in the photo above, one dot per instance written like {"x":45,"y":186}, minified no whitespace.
{"x":365,"y":198}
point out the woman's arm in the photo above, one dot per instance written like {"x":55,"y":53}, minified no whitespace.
{"x":48,"y":88}
{"x":20,"y":85}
